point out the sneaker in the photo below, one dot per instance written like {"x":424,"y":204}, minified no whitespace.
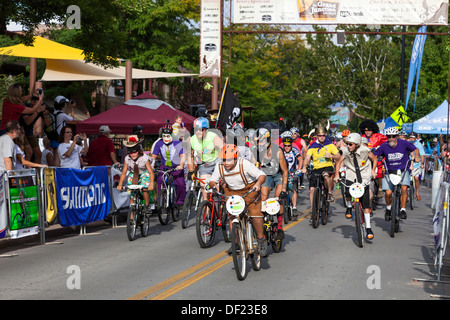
{"x":294,"y":212}
{"x":262,"y":243}
{"x":330,"y":198}
{"x":369,"y":234}
{"x":349,"y":213}
{"x":387,"y":215}
{"x":402,"y":214}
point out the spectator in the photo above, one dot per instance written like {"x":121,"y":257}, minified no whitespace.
{"x":7,"y":147}
{"x":101,"y":151}
{"x":14,"y":105}
{"x":68,"y":150}
{"x":21,"y":162}
{"x":47,"y":153}
{"x":27,"y":122}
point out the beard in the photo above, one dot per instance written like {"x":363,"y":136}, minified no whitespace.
{"x":392,"y":143}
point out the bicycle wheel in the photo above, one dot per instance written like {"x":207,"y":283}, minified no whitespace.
{"x":325,"y":209}
{"x":226,"y":232}
{"x":238,"y":250}
{"x":188,"y":207}
{"x":394,"y":214}
{"x":205,"y":224}
{"x":163,"y":211}
{"x":315,"y":208}
{"x":359,"y":224}
{"x":285,"y":205}
{"x":131,"y":223}
{"x":255,"y":256}
{"x":176,"y":214}
{"x":412,"y":194}
{"x":145,"y":224}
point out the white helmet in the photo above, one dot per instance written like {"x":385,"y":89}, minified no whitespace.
{"x":354,"y":138}
{"x":364,"y":140}
{"x":391,"y":131}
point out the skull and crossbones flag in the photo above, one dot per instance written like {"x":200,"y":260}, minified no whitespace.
{"x":230,"y":109}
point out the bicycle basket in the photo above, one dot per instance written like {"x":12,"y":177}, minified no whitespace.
{"x":395,"y":179}
{"x":235,"y":205}
{"x":271,"y":206}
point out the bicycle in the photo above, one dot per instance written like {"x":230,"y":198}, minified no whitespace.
{"x":395,"y":179}
{"x":320,"y":205}
{"x":192,"y":201}
{"x":271,"y":207}
{"x":166,"y":198}
{"x":357,"y":191}
{"x":287,"y":202}
{"x":243,"y":237}
{"x":211,"y":217}
{"x":136,"y":214}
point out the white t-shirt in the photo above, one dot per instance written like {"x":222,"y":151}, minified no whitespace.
{"x":44,"y":156}
{"x":74,"y":160}
{"x":233,"y":177}
{"x":60,"y":119}
{"x":7,"y":150}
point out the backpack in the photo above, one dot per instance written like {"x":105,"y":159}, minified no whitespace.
{"x":51,"y":125}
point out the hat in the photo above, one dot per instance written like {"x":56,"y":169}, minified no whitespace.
{"x":435,"y":139}
{"x":61,"y":99}
{"x":104,"y":129}
{"x":137,"y":128}
{"x":131,"y":141}
{"x":412,"y":135}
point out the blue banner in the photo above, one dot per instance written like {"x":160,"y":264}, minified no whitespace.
{"x":83,"y":195}
{"x":416,"y":61}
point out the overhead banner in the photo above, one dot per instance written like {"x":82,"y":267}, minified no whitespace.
{"x":23,"y":203}
{"x":372,"y":12}
{"x":82,"y":195}
{"x":210,"y":38}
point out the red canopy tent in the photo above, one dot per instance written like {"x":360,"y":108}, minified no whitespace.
{"x":144,"y":110}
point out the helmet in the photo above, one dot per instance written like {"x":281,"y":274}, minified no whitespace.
{"x":392,"y":131}
{"x":229,"y":151}
{"x":286,"y":137}
{"x":321,"y":130}
{"x":167,"y":129}
{"x":202,"y":123}
{"x":345,"y":133}
{"x":364,"y":140}
{"x":354,"y":138}
{"x":295,"y":130}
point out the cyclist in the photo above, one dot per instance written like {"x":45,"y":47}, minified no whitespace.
{"x":140,"y":169}
{"x":239,"y":176}
{"x":342,"y":143}
{"x":396,"y":153}
{"x":363,"y":155}
{"x":369,"y":129}
{"x":301,"y":146}
{"x":270,"y":159}
{"x":294,"y":162}
{"x":205,"y":148}
{"x":322,"y":152}
{"x":172,"y":156}
{"x":417,"y":167}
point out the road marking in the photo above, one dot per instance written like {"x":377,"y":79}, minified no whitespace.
{"x":169,"y":287}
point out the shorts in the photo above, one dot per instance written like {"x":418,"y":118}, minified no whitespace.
{"x":318,"y":172}
{"x":273,"y":181}
{"x":386,"y":184}
{"x":144,"y":180}
{"x":254,"y":207}
{"x":415,"y":172}
{"x":207,"y":168}
{"x":365,"y":200}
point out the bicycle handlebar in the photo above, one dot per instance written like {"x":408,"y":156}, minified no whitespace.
{"x":225,"y":196}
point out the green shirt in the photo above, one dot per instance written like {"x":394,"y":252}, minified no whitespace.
{"x":205,"y":147}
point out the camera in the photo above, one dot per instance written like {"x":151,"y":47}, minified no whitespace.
{"x":40,"y":91}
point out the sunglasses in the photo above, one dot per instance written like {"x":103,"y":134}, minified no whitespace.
{"x":392,"y":137}
{"x":321,"y":135}
{"x":350,"y":144}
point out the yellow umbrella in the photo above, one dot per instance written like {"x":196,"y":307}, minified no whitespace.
{"x":44,"y":49}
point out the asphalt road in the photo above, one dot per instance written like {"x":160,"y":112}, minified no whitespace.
{"x":315,"y":264}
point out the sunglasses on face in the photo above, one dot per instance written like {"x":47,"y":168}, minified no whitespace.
{"x":350,"y":144}
{"x":367,"y":130}
{"x":392,"y":137}
{"x":321,"y":135}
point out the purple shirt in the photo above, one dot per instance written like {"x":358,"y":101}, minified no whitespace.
{"x":174,"y":150}
{"x":397,"y":157}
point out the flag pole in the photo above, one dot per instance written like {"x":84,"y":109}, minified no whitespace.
{"x":221,"y":101}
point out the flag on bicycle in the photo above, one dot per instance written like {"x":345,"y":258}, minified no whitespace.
{"x":83,"y":196}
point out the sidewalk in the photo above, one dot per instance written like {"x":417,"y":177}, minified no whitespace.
{"x":51,"y":232}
